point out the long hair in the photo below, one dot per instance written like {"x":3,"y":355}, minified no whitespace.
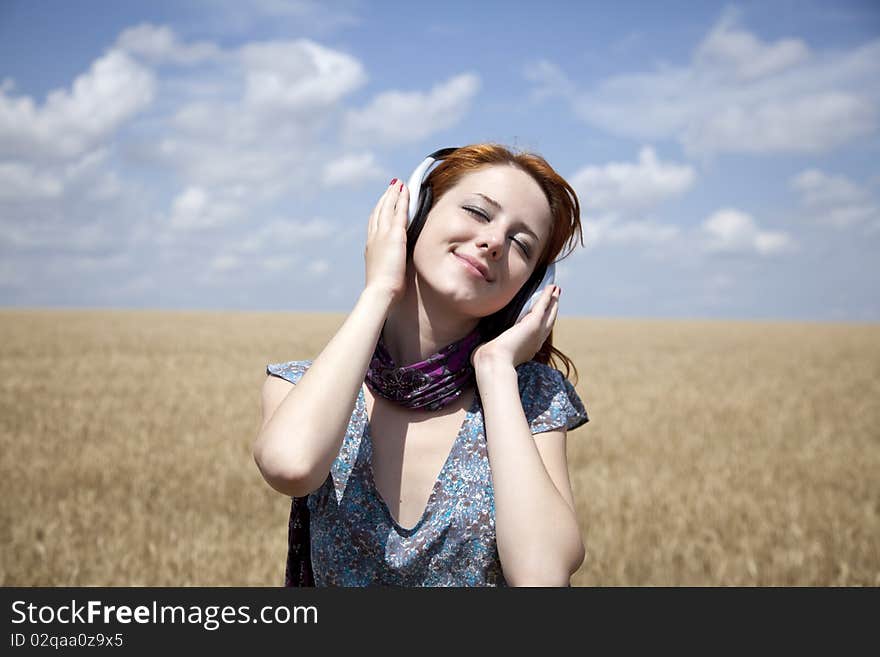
{"x":564,"y":231}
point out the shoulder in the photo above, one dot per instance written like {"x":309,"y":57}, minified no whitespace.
{"x":549,"y":400}
{"x":532,"y":371}
{"x":279,"y":380}
{"x":290,"y":371}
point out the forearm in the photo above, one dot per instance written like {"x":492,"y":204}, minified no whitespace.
{"x":306,"y":431}
{"x":537,"y":533}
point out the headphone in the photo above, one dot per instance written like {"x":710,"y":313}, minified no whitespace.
{"x":420,"y":200}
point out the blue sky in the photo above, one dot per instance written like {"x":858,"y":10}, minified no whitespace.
{"x":223,"y":155}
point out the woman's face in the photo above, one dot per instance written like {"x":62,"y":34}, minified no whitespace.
{"x":497,"y":215}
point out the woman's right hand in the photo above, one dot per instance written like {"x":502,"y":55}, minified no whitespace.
{"x":385,"y":253}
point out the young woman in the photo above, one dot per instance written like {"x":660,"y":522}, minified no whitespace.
{"x":425,"y":445}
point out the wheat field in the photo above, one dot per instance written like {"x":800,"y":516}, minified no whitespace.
{"x":718,"y":453}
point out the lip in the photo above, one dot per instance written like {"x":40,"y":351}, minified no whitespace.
{"x":473,"y":266}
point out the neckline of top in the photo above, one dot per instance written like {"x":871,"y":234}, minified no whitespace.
{"x":456,"y":445}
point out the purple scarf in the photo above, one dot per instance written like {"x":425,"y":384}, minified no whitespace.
{"x":430,"y":384}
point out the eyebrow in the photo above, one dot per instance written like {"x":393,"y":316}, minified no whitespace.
{"x":492,"y":201}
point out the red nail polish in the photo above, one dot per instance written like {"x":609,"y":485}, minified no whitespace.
{"x":393,"y":180}
{"x":401,"y":187}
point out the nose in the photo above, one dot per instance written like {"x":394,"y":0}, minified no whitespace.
{"x":492,"y":240}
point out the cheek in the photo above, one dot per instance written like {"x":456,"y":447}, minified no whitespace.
{"x":519,"y":281}
{"x":425,"y":253}
{"x":505,"y":292}
{"x":428,"y":241}
{"x":520,"y":275}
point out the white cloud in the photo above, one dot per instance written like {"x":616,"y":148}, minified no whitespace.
{"x":87,"y":165}
{"x":284,"y":235}
{"x":317,"y":268}
{"x":740,"y":94}
{"x":811,"y":123}
{"x":243,"y":135}
{"x":260,"y":171}
{"x":194,"y":209}
{"x":88,"y":238}
{"x":396,"y":117}
{"x":225,"y":263}
{"x":628,"y":187}
{"x":277,"y":263}
{"x":642,"y":231}
{"x":818,"y":189}
{"x":729,"y":49}
{"x":720,"y":282}
{"x":20,"y":181}
{"x":352,"y":169}
{"x":731,"y":231}
{"x":297,"y":76}
{"x":610,"y":229}
{"x":72,"y":122}
{"x":113,"y":261}
{"x":262,"y":132}
{"x":159,"y":43}
{"x":835,"y":200}
{"x":549,"y":80}
{"x":233,"y":16}
{"x":109,"y":185}
{"x":628,"y":42}
{"x":617,"y":198}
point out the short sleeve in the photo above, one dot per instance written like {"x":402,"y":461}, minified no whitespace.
{"x":549,"y":399}
{"x":290,"y":371}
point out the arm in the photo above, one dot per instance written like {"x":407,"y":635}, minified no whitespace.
{"x":299,"y":439}
{"x":537,"y":533}
{"x":301,"y":436}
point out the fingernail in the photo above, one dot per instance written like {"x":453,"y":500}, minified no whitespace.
{"x":401,"y":187}
{"x":393,"y":180}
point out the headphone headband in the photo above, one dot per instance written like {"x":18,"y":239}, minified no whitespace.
{"x":418,"y":177}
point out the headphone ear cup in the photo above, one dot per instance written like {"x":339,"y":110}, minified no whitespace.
{"x":417,"y":221}
{"x":548,"y":278}
{"x":426,"y":197}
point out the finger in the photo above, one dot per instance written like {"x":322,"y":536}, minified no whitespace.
{"x":402,"y":208}
{"x":539,"y":307}
{"x":371,"y":224}
{"x":552,"y":306}
{"x":391,"y":207}
{"x":381,"y":210}
{"x":554,"y":309}
{"x":374,"y":215}
{"x":547,"y":297}
{"x":549,"y":318}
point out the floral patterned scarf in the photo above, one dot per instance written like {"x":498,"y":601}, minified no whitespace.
{"x":432,"y":383}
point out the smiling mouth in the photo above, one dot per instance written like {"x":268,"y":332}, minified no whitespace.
{"x":470,"y":268}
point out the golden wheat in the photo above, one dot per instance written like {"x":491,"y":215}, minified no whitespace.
{"x":718,"y":453}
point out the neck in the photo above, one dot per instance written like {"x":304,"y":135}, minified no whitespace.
{"x":420,"y":324}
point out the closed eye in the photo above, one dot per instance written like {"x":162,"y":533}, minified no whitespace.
{"x":479,"y":213}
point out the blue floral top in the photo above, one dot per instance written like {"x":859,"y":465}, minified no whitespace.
{"x":356,"y":542}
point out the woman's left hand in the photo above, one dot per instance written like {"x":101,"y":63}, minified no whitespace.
{"x":522,"y":341}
